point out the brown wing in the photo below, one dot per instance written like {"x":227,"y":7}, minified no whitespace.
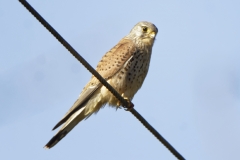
{"x":80,"y":102}
{"x":114,"y":60}
{"x":109,"y":65}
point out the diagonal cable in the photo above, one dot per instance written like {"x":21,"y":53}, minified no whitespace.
{"x":99,"y":77}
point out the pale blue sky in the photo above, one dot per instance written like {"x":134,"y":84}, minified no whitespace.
{"x":191,"y":94}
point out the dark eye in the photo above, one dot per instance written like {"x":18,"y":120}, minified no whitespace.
{"x":144,"y":29}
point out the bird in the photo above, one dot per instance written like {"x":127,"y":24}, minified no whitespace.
{"x":124,"y":67}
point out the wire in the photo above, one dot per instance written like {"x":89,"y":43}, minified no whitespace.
{"x":124,"y":102}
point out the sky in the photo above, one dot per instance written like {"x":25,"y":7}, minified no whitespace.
{"x":191,"y":94}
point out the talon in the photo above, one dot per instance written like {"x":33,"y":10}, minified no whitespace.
{"x":127,"y":108}
{"x":118,"y":104}
{"x":131,"y":105}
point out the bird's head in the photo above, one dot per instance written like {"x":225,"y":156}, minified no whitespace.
{"x":144,"y":31}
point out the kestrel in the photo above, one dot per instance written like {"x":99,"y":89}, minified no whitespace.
{"x":124,"y":67}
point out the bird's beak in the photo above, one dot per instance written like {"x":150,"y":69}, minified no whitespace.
{"x":152,"y":34}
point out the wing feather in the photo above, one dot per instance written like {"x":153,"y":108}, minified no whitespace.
{"x":79,"y":103}
{"x":110,"y":64}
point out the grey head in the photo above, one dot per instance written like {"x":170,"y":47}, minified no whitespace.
{"x":145,"y":31}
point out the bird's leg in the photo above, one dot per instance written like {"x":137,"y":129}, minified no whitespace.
{"x":118,"y":103}
{"x":131,"y":105}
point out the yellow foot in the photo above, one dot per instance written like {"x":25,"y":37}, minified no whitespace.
{"x":131,"y":105}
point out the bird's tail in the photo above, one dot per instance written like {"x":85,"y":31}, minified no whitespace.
{"x":67,"y":127}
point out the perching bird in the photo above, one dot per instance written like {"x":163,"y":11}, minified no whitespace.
{"x":124,"y":67}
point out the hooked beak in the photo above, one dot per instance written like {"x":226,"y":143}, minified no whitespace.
{"x":152,"y":34}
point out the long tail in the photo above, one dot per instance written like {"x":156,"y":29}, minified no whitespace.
{"x":67,"y":127}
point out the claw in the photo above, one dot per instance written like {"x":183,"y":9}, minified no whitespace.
{"x":128,"y":108}
{"x":131,"y":105}
{"x":118,"y":104}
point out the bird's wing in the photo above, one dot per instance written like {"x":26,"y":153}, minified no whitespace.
{"x":79,"y":103}
{"x":114,"y":60}
{"x":109,"y":65}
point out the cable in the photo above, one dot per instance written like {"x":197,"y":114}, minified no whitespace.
{"x":124,"y":102}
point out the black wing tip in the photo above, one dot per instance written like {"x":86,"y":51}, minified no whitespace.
{"x":55,"y":127}
{"x":59,"y":124}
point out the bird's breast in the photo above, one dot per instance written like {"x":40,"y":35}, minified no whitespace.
{"x":130,"y":78}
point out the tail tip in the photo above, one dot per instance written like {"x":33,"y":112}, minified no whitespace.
{"x":46,"y":147}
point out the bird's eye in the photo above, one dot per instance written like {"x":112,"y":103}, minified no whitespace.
{"x":144,"y":29}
